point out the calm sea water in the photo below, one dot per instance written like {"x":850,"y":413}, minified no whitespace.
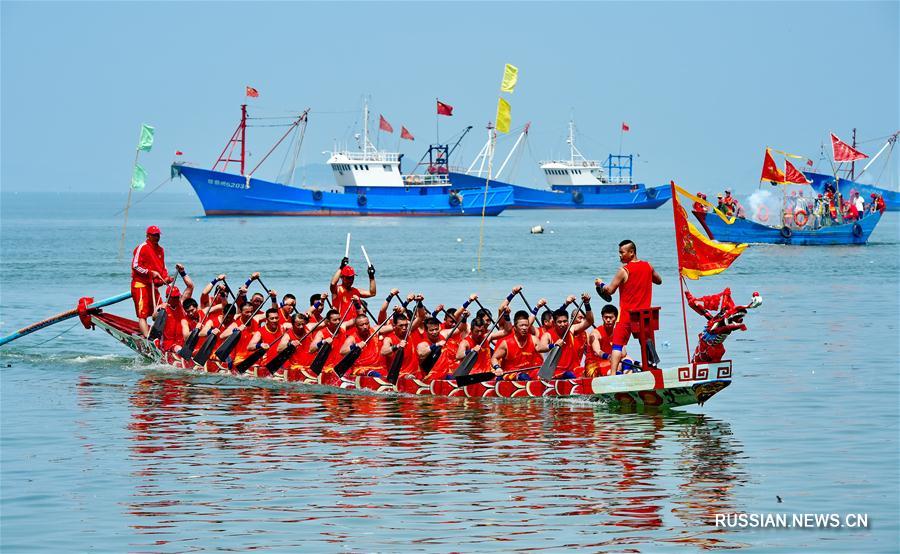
{"x":101,"y":452}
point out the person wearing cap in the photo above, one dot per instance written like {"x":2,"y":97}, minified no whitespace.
{"x":859,"y":202}
{"x":877,"y":202}
{"x":343,"y":291}
{"x":181,"y":313}
{"x":148,"y":271}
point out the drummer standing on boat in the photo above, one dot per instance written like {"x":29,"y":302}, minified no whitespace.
{"x":148,"y":271}
{"x":634,"y":281}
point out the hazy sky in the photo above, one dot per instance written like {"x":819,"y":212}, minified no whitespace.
{"x":704,"y":86}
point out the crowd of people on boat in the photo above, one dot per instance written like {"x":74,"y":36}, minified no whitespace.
{"x":510,"y":344}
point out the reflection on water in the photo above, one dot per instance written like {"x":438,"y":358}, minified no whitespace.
{"x":271,"y":469}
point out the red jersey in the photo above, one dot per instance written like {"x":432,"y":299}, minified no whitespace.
{"x":483,"y":361}
{"x":172,"y":337}
{"x":147,"y":257}
{"x":410,"y":356}
{"x":343,"y":299}
{"x":519,"y":357}
{"x":570,"y":356}
{"x":335,"y":356}
{"x":637,"y":291}
{"x":302,"y":356}
{"x":271,"y":338}
{"x":370,"y":358}
{"x":240,"y":350}
{"x":595,"y":365}
{"x":446,"y":362}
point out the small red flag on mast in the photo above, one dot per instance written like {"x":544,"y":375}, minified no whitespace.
{"x":384,"y":125}
{"x":252,"y":92}
{"x":405,"y":134}
{"x":625,"y":127}
{"x":793,"y":175}
{"x":444,"y":109}
{"x":770,"y":171}
{"x":843,"y":152}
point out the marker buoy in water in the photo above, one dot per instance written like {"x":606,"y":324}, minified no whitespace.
{"x":537,"y":230}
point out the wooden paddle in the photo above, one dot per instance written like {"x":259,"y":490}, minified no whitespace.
{"x":350,"y":358}
{"x":472,"y":356}
{"x":285,"y":355}
{"x":318,"y":362}
{"x":187,"y":349}
{"x":474,"y":378}
{"x":397,"y":362}
{"x":205,"y":351}
{"x":548,"y":368}
{"x":255,"y":356}
{"x":228,"y":344}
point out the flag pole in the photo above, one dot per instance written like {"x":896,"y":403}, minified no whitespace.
{"x":484,"y":202}
{"x":675,"y":206}
{"x":621,"y":134}
{"x":437,"y":123}
{"x":128,"y":202}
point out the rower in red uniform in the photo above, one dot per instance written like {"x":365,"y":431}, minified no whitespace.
{"x":599,"y":347}
{"x":316,"y":305}
{"x":177,"y":318}
{"x":397,"y":340}
{"x":287,"y":308}
{"x":472,"y":342}
{"x":267,"y":335}
{"x":450,"y":338}
{"x":247,"y":325}
{"x":518,"y":351}
{"x":344,"y":292}
{"x":148,"y":271}
{"x":572,"y":347}
{"x":300,"y":337}
{"x":634,"y":281}
{"x":370,"y":361}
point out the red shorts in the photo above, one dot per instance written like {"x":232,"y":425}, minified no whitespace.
{"x":621,"y":333}
{"x":143,"y":302}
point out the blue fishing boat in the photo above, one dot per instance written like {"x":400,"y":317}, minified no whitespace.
{"x":575,"y":183}
{"x":822,"y":183}
{"x":371,"y":180}
{"x":747,"y":231}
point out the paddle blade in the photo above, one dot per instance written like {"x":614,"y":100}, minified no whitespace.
{"x":159,"y":324}
{"x":548,"y":368}
{"x":321,"y":357}
{"x":347,"y":362}
{"x":205,"y":350}
{"x":394,"y":372}
{"x":250,"y":360}
{"x":428,"y":363}
{"x":187,"y":350}
{"x":474,"y":378}
{"x":652,"y":356}
{"x":467,"y":364}
{"x":228,"y":345}
{"x":279,"y":360}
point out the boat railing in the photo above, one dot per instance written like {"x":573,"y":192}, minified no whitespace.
{"x":370,"y":156}
{"x":567,"y":164}
{"x":423,"y":180}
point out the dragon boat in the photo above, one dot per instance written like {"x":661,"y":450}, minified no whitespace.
{"x":682,"y":385}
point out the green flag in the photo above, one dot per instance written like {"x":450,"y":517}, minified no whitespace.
{"x":146,"y":138}
{"x":138,"y":180}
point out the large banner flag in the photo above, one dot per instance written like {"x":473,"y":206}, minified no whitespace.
{"x":510,"y":78}
{"x":843,"y":152}
{"x":793,"y":175}
{"x":384,"y":125}
{"x":770,"y":171}
{"x":146,"y":141}
{"x":504,"y":115}
{"x":139,"y":178}
{"x":699,"y":256}
{"x":444,"y":109}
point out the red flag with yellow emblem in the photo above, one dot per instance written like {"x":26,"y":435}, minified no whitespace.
{"x":699,"y":256}
{"x":770,"y":171}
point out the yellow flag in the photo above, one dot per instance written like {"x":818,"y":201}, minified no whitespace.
{"x":504,"y":116}
{"x":510,"y":78}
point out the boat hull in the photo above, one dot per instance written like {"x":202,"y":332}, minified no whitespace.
{"x":663,"y":388}
{"x":747,"y":231}
{"x":609,"y":197}
{"x":229,"y":194}
{"x":891,"y":197}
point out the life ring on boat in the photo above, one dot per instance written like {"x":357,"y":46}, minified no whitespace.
{"x":584,"y":164}
{"x":762,"y":213}
{"x":317,"y":195}
{"x":786,"y":232}
{"x":362,"y":200}
{"x":577,"y":197}
{"x":857,"y":230}
{"x":801,"y":218}
{"x":416,"y":180}
{"x":651,"y":193}
{"x":454,"y":199}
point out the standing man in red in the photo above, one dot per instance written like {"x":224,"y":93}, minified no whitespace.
{"x":343,"y":291}
{"x":148,"y":271}
{"x":634,"y":281}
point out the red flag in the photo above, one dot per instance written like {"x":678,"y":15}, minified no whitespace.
{"x":384,"y":125}
{"x":252,"y":92}
{"x":809,"y":163}
{"x":178,"y":152}
{"x":625,"y":127}
{"x":699,"y":256}
{"x":444,"y":109}
{"x":794,"y":175}
{"x":405,"y":134}
{"x":770,"y":171}
{"x":843,"y":152}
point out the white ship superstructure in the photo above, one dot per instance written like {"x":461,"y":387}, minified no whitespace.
{"x":578,"y":170}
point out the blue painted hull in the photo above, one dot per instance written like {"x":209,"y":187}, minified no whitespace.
{"x":228,"y":194}
{"x":616,"y":197}
{"x":891,"y":198}
{"x":745,"y":230}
